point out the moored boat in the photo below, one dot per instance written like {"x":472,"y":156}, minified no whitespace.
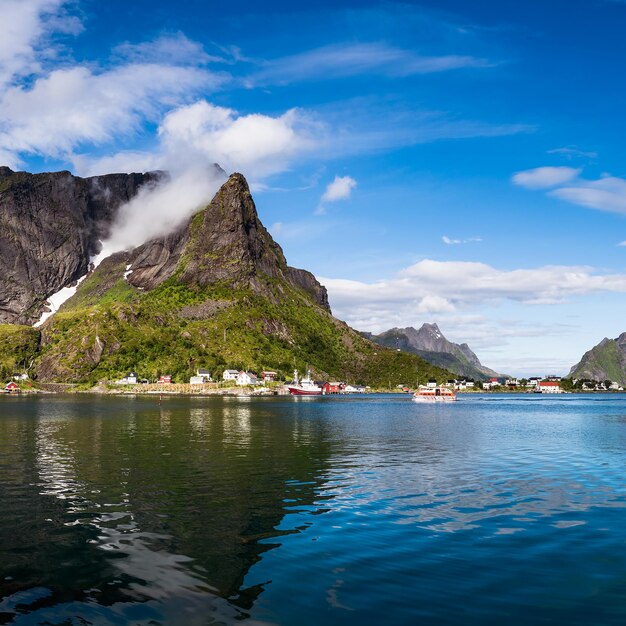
{"x":304,"y":387}
{"x":434,"y":393}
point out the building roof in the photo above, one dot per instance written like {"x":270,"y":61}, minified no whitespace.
{"x":202,"y":372}
{"x":549,"y":383}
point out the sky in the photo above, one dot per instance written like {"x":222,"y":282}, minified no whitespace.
{"x":437,"y":161}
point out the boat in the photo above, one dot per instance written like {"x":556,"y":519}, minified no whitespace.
{"x":304,"y":387}
{"x":434,"y":393}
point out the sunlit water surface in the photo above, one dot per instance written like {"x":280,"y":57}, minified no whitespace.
{"x":347,"y":510}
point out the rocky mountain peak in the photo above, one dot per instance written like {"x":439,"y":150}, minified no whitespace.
{"x":223,"y":243}
{"x":430,"y":343}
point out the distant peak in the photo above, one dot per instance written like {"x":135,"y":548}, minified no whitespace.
{"x":431,"y":329}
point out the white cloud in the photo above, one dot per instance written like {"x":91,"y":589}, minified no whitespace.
{"x":256,"y":145}
{"x":253,"y":143}
{"x":545,"y":177}
{"x":607,"y":193}
{"x":622,"y":244}
{"x":434,"y":304}
{"x":26,"y":30}
{"x":343,"y":60}
{"x":604,"y":194}
{"x":437,"y":286}
{"x":67,"y":109}
{"x":75,"y":106}
{"x":452,"y":242}
{"x":158,"y":210}
{"x":571,"y":152}
{"x":340,"y":189}
{"x":174,"y":49}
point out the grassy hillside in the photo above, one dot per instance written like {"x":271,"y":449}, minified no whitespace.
{"x":19,"y":345}
{"x":104,"y":332}
{"x":606,"y":361}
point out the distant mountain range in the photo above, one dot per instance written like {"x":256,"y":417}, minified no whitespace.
{"x":429,"y":343}
{"x":606,"y":361}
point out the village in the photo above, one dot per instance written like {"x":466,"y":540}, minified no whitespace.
{"x":268,"y":383}
{"x":534,"y":384}
{"x":265,"y":382}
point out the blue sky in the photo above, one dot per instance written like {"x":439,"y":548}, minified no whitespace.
{"x":436,"y":161}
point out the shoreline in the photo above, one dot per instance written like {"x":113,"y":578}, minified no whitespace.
{"x":214,"y":390}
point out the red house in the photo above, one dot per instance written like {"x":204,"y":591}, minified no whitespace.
{"x":12,"y":388}
{"x":165,"y":380}
{"x":550,"y":386}
{"x":332,"y":388}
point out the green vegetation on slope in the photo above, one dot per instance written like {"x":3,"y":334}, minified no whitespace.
{"x":177,"y":328}
{"x":605,"y":361}
{"x":18,"y":347}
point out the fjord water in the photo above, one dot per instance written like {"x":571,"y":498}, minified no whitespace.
{"x":346,"y":510}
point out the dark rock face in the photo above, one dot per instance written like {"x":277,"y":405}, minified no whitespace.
{"x":224,"y":243}
{"x":50,"y":225}
{"x":429,"y":343}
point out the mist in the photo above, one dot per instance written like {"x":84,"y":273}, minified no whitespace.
{"x":161,"y":208}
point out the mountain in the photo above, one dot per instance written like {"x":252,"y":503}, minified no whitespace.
{"x":217,"y":293}
{"x":606,"y":361}
{"x":50,"y":226}
{"x":429,"y":343}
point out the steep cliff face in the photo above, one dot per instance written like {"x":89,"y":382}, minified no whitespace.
{"x":606,"y":361}
{"x":225,"y":243}
{"x":50,"y":226}
{"x":429,"y":343}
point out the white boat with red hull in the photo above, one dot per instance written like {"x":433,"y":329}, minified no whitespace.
{"x":304,"y":387}
{"x":434,"y":393}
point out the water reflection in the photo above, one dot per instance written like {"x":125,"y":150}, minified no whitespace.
{"x":372,"y":510}
{"x":158,"y":509}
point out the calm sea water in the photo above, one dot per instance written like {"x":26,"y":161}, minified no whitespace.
{"x":348,"y":510}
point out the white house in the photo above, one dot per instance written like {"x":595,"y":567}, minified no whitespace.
{"x":246,"y":378}
{"x":269,"y":377}
{"x":230,"y":374}
{"x":354,"y":389}
{"x":204,"y":374}
{"x":130,"y":379}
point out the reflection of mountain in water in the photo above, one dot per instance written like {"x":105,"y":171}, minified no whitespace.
{"x":120,"y":502}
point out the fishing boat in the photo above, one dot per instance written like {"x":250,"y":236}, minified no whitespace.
{"x":304,"y":387}
{"x":433,"y":393}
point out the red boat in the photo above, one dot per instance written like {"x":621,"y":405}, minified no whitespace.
{"x":304,"y":387}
